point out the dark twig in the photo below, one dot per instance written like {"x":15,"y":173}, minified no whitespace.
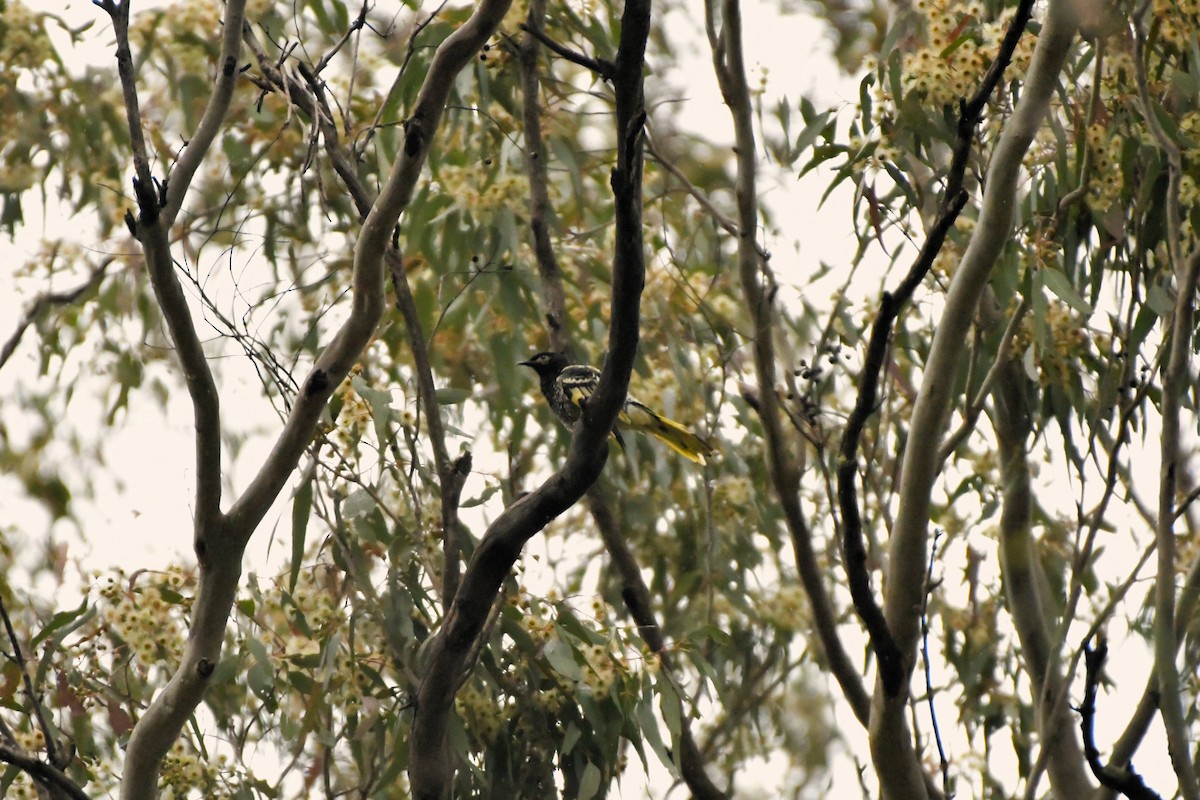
{"x":1120,"y":778}
{"x":358,"y":24}
{"x":937,"y":732}
{"x":602,"y":67}
{"x":954,"y":199}
{"x":46,"y":300}
{"x":549,"y":271}
{"x":636,"y":596}
{"x":52,"y":754}
{"x":55,"y":780}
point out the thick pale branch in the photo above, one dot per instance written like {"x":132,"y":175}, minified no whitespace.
{"x":180,"y":178}
{"x":1166,"y":643}
{"x":335,"y":361}
{"x":892,"y":671}
{"x":220,"y":561}
{"x":1175,"y":381}
{"x":151,"y":228}
{"x":895,"y":762}
{"x":1025,"y":584}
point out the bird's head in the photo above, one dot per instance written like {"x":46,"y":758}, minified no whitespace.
{"x":547,"y":364}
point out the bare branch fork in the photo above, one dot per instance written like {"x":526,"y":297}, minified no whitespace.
{"x":431,"y":768}
{"x":220,"y":539}
{"x":892,"y":670}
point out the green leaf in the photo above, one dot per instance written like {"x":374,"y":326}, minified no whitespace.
{"x":1057,"y":282}
{"x":301,"y":513}
{"x":1159,"y":300}
{"x":561,"y":658}
{"x":450,"y":395}
{"x":811,"y":131}
{"x":484,"y":496}
{"x":570,"y":738}
{"x":649,"y":726}
{"x":58,"y":621}
{"x":671,"y":707}
{"x":589,"y":782}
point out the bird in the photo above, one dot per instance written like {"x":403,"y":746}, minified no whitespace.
{"x":568,"y":386}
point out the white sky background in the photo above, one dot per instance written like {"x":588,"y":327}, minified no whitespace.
{"x":145,"y":521}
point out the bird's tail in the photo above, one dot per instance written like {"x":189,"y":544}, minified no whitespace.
{"x":671,"y":433}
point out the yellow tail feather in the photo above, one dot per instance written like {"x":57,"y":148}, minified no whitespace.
{"x":671,"y":433}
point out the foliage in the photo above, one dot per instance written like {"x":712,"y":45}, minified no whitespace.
{"x":677,"y":616}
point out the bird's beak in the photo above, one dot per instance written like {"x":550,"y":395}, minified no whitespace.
{"x":524,"y":363}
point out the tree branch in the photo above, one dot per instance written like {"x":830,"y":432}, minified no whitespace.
{"x":431,"y":768}
{"x":180,"y":178}
{"x":152,"y":229}
{"x":219,"y":559}
{"x":1121,"y":778}
{"x":605,"y":69}
{"x":1025,"y":584}
{"x":636,"y":596}
{"x":47,"y":300}
{"x":53,"y":779}
{"x":339,"y":356}
{"x":55,"y":758}
{"x":899,"y":771}
{"x":785,"y":474}
{"x":892,"y":670}
{"x":1175,"y":382}
{"x":549,"y":271}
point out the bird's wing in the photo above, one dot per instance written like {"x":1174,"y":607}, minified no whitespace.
{"x":577,"y":382}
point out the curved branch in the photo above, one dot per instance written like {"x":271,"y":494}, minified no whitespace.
{"x":1114,"y":776}
{"x":53,"y":779}
{"x":782,"y":466}
{"x":458,"y":49}
{"x":220,"y":541}
{"x":549,"y":271}
{"x":896,"y":764}
{"x":1025,"y":583}
{"x":892,"y":670}
{"x":48,"y":299}
{"x":431,"y":766}
{"x":180,"y":178}
{"x":1175,"y":382}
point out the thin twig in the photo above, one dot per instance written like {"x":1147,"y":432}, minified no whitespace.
{"x":47,"y":300}
{"x":602,"y":67}
{"x":937,"y":733}
{"x":52,"y":754}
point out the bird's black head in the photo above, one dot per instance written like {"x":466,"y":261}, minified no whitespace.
{"x":547,"y":364}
